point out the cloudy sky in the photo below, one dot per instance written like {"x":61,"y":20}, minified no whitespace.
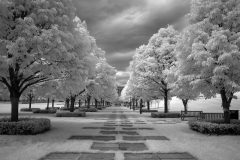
{"x":121,"y":26}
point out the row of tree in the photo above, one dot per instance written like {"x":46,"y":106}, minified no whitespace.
{"x":204,"y":58}
{"x":45,"y":47}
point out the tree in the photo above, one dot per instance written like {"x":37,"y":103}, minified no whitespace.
{"x":39,"y":40}
{"x":181,"y":86}
{"x":150,"y":63}
{"x":208,"y":51}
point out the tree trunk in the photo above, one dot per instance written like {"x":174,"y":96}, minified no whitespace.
{"x":14,"y":102}
{"x":53,"y":103}
{"x":96,"y":103}
{"x":30,"y":102}
{"x":72,"y":103}
{"x":166,"y":101}
{"x":136,"y":103}
{"x":185,"y":101}
{"x":226,"y":105}
{"x":133,"y":104}
{"x":85,"y":102}
{"x":103,"y":102}
{"x":130,"y":104}
{"x":47,"y":103}
{"x":67,"y":102}
{"x":88,"y":101}
{"x":148,"y":105}
{"x":141,"y":106}
{"x":79,"y":103}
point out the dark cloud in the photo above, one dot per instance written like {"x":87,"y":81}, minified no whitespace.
{"x":121,"y":26}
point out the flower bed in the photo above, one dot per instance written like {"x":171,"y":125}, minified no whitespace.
{"x":45,"y":111}
{"x":145,"y":110}
{"x":67,"y":109}
{"x":215,"y":127}
{"x":24,"y":126}
{"x":52,"y":108}
{"x":71,"y":114}
{"x":165,"y":115}
{"x":28,"y":109}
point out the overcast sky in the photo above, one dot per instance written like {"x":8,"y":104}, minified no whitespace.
{"x":121,"y":26}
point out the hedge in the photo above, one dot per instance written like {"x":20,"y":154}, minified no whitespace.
{"x":67,"y":109}
{"x":28,"y":109}
{"x":71,"y":114}
{"x":45,"y":111}
{"x":165,"y":115}
{"x":215,"y":127}
{"x":145,"y":110}
{"x":24,"y":126}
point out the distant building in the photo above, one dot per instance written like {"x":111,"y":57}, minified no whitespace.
{"x":119,"y":90}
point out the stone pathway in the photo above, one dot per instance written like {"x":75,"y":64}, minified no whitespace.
{"x":119,"y":125}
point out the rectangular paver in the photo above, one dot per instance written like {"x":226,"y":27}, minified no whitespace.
{"x":141,"y":156}
{"x":175,"y":156}
{"x":133,"y":138}
{"x":105,"y":146}
{"x":132,"y":146}
{"x":62,"y":156}
{"x":97,"y":156}
{"x":104,"y":138}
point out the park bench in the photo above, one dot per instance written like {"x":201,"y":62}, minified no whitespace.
{"x":212,"y":116}
{"x":190,"y":114}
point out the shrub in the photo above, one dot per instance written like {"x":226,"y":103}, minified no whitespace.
{"x":71,"y":114}
{"x":88,"y":109}
{"x":28,"y":109}
{"x":67,"y":109}
{"x":215,"y":127}
{"x":52,"y":108}
{"x":45,"y":111}
{"x":165,"y":115}
{"x":145,"y":110}
{"x":24,"y":126}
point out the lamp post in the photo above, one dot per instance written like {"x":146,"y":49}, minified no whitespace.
{"x":141,"y":101}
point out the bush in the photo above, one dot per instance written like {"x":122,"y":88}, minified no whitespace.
{"x":29,"y":109}
{"x":165,"y":115}
{"x":67,"y":109}
{"x":145,"y":110}
{"x":52,"y":108}
{"x":88,"y":109}
{"x":215,"y":127}
{"x":45,"y":111}
{"x":24,"y":126}
{"x":71,"y":114}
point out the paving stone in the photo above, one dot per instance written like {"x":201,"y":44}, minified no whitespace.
{"x":110,"y":125}
{"x":129,"y":128}
{"x":104,"y":138}
{"x":105,"y":146}
{"x":146,"y":128}
{"x":62,"y":156}
{"x":81,"y":137}
{"x":123,"y":125}
{"x":133,"y":138}
{"x":175,"y":156}
{"x":128,"y":132}
{"x":132,"y":146}
{"x":97,"y":156}
{"x":90,"y":127}
{"x":139,"y":123}
{"x":156,"y":138}
{"x":108,"y":128}
{"x":140,"y":156}
{"x":127,"y":123}
{"x":109,"y":132}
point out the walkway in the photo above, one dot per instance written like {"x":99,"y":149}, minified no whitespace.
{"x":120,"y":134}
